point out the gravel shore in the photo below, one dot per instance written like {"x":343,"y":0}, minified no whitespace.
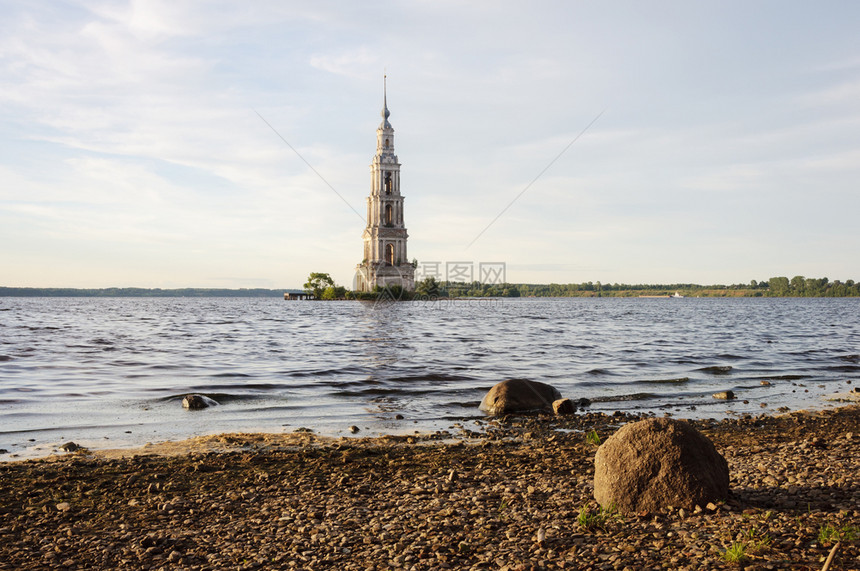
{"x":512,"y":493}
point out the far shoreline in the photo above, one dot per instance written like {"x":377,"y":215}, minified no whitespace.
{"x":778,"y":287}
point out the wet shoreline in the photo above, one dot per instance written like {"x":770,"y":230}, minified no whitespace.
{"x":122,"y":439}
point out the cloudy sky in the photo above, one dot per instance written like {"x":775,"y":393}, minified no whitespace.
{"x":133,"y":152}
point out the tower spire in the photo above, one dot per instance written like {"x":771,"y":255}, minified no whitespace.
{"x":385,"y":112}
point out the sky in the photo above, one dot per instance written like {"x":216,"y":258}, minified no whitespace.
{"x":227,"y":144}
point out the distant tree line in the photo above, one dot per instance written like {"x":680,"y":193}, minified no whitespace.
{"x":775,"y":287}
{"x":323,"y":287}
{"x":799,"y":286}
{"x":430,"y":288}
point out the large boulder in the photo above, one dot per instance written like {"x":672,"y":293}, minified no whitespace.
{"x":659,"y":462}
{"x":519,"y":395}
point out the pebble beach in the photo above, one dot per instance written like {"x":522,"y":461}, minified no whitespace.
{"x":510,"y":493}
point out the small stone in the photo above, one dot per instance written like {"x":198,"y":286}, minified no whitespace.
{"x":398,"y":417}
{"x":724,"y":395}
{"x":765,"y":383}
{"x":563,"y":406}
{"x":64,"y":506}
{"x":354,"y":429}
{"x":70,"y":447}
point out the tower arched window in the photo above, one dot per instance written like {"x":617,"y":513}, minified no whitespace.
{"x":389,"y":253}
{"x":388,"y":183}
{"x":389,"y":218}
{"x":386,"y":143}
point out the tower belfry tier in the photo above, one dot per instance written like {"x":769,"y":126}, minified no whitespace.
{"x":385,"y":261}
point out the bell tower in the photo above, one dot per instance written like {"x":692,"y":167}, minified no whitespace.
{"x":385,"y":261}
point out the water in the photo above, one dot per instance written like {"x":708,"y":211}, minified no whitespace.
{"x":112,"y":372}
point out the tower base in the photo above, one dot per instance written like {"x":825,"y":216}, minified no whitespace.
{"x":369,"y":276}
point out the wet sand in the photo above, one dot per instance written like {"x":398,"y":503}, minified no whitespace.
{"x":505,"y":497}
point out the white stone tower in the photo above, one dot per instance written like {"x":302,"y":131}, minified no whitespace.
{"x":385,"y":261}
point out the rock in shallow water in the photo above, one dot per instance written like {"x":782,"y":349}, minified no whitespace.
{"x":659,"y":462}
{"x":197,"y":402}
{"x":519,"y":395}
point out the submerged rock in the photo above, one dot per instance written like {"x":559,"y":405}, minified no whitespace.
{"x":519,"y":395}
{"x":197,"y":402}
{"x":659,"y":462}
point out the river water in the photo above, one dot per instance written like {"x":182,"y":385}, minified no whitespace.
{"x":112,"y":372}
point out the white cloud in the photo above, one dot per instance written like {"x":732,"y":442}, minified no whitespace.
{"x":842,"y":92}
{"x":357,"y":63}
